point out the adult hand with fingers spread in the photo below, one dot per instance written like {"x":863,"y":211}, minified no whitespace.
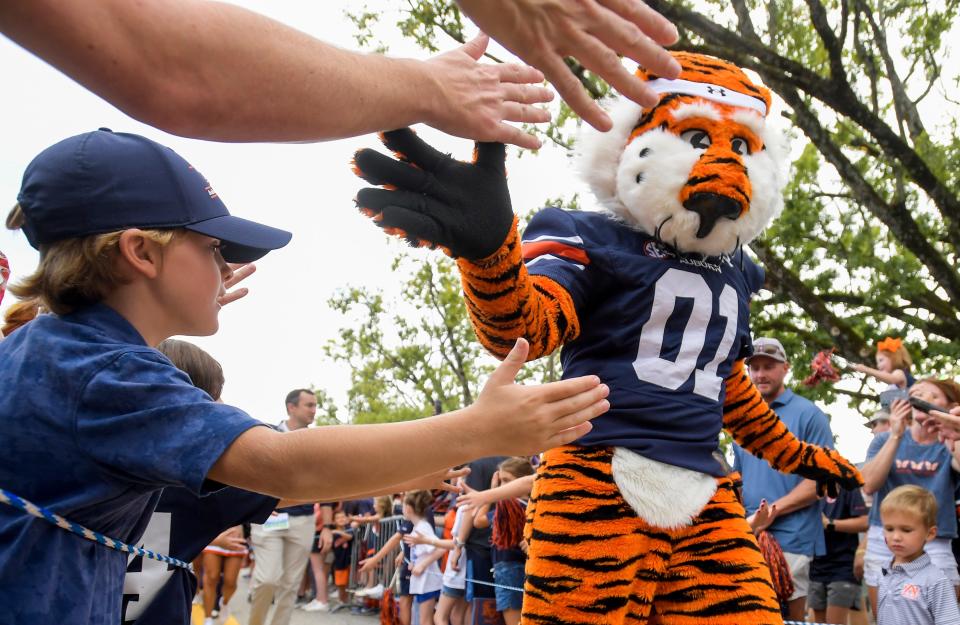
{"x":595,"y":32}
{"x":477,"y":98}
{"x":149,"y":62}
{"x":433,"y":199}
{"x":525,"y":420}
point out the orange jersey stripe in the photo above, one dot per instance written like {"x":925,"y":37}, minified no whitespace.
{"x":556,"y":248}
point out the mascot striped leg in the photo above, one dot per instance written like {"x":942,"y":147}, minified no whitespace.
{"x":593,"y":560}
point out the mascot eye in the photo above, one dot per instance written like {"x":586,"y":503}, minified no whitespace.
{"x":699,"y":139}
{"x":740,"y":146}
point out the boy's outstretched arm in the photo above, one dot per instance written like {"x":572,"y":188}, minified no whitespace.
{"x":337,"y":461}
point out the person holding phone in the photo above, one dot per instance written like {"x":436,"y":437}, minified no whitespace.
{"x":911,"y":453}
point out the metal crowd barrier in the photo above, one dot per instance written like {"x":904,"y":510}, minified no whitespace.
{"x":368,"y":539}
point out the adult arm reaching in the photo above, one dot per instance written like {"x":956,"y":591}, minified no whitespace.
{"x":211,"y":70}
{"x":595,"y":32}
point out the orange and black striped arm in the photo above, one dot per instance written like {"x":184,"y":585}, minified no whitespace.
{"x":506,"y":303}
{"x":757,"y":428}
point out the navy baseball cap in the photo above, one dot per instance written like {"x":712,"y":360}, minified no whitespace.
{"x":104,"y":181}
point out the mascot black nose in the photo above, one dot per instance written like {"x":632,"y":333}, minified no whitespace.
{"x":711,"y":207}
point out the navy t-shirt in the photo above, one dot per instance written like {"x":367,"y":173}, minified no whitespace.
{"x":94,"y":423}
{"x":183,"y":524}
{"x":661,"y":328}
{"x":836,"y":565}
{"x":479,"y":478}
{"x":342,"y":546}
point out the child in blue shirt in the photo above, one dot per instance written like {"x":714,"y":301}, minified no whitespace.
{"x":135,"y":246}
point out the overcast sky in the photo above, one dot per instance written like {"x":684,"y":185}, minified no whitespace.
{"x":271,"y":341}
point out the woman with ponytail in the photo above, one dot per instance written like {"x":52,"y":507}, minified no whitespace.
{"x":507,"y":549}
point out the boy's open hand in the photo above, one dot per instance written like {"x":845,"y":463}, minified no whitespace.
{"x":240,"y":273}
{"x":525,"y":420}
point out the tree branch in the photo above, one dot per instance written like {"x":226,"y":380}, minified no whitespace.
{"x":790,"y":74}
{"x":818,"y":15}
{"x":896,"y":217}
{"x":849,"y":342}
{"x":902,"y":104}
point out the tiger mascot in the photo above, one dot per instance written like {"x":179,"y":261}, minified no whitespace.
{"x":637,"y":522}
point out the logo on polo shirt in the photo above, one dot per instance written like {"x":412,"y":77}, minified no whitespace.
{"x":910,"y":591}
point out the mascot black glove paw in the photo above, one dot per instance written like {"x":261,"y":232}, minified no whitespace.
{"x":431,"y":198}
{"x":831,"y":471}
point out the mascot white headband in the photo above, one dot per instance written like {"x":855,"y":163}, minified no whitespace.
{"x":716,"y":93}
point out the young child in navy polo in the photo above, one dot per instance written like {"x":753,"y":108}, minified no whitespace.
{"x":912,"y":590}
{"x":134,"y":245}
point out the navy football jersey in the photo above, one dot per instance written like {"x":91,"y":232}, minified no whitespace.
{"x":662,"y":329}
{"x":181,"y":526}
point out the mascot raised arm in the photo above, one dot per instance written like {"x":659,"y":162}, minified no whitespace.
{"x":637,"y":521}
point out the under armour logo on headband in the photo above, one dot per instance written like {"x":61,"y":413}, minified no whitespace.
{"x":709,"y":92}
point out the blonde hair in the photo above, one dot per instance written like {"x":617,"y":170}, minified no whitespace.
{"x":76,"y":272}
{"x":913,"y":499}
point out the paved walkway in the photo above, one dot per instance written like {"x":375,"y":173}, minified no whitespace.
{"x":240,"y":609}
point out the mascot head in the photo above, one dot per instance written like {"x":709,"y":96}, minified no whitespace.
{"x":701,"y":170}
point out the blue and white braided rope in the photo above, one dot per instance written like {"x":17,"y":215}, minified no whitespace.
{"x":43,"y":513}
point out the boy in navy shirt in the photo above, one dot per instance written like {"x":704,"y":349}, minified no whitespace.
{"x":134,"y":249}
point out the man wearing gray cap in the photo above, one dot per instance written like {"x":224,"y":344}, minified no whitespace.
{"x":798,"y":527}
{"x":878,"y":422}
